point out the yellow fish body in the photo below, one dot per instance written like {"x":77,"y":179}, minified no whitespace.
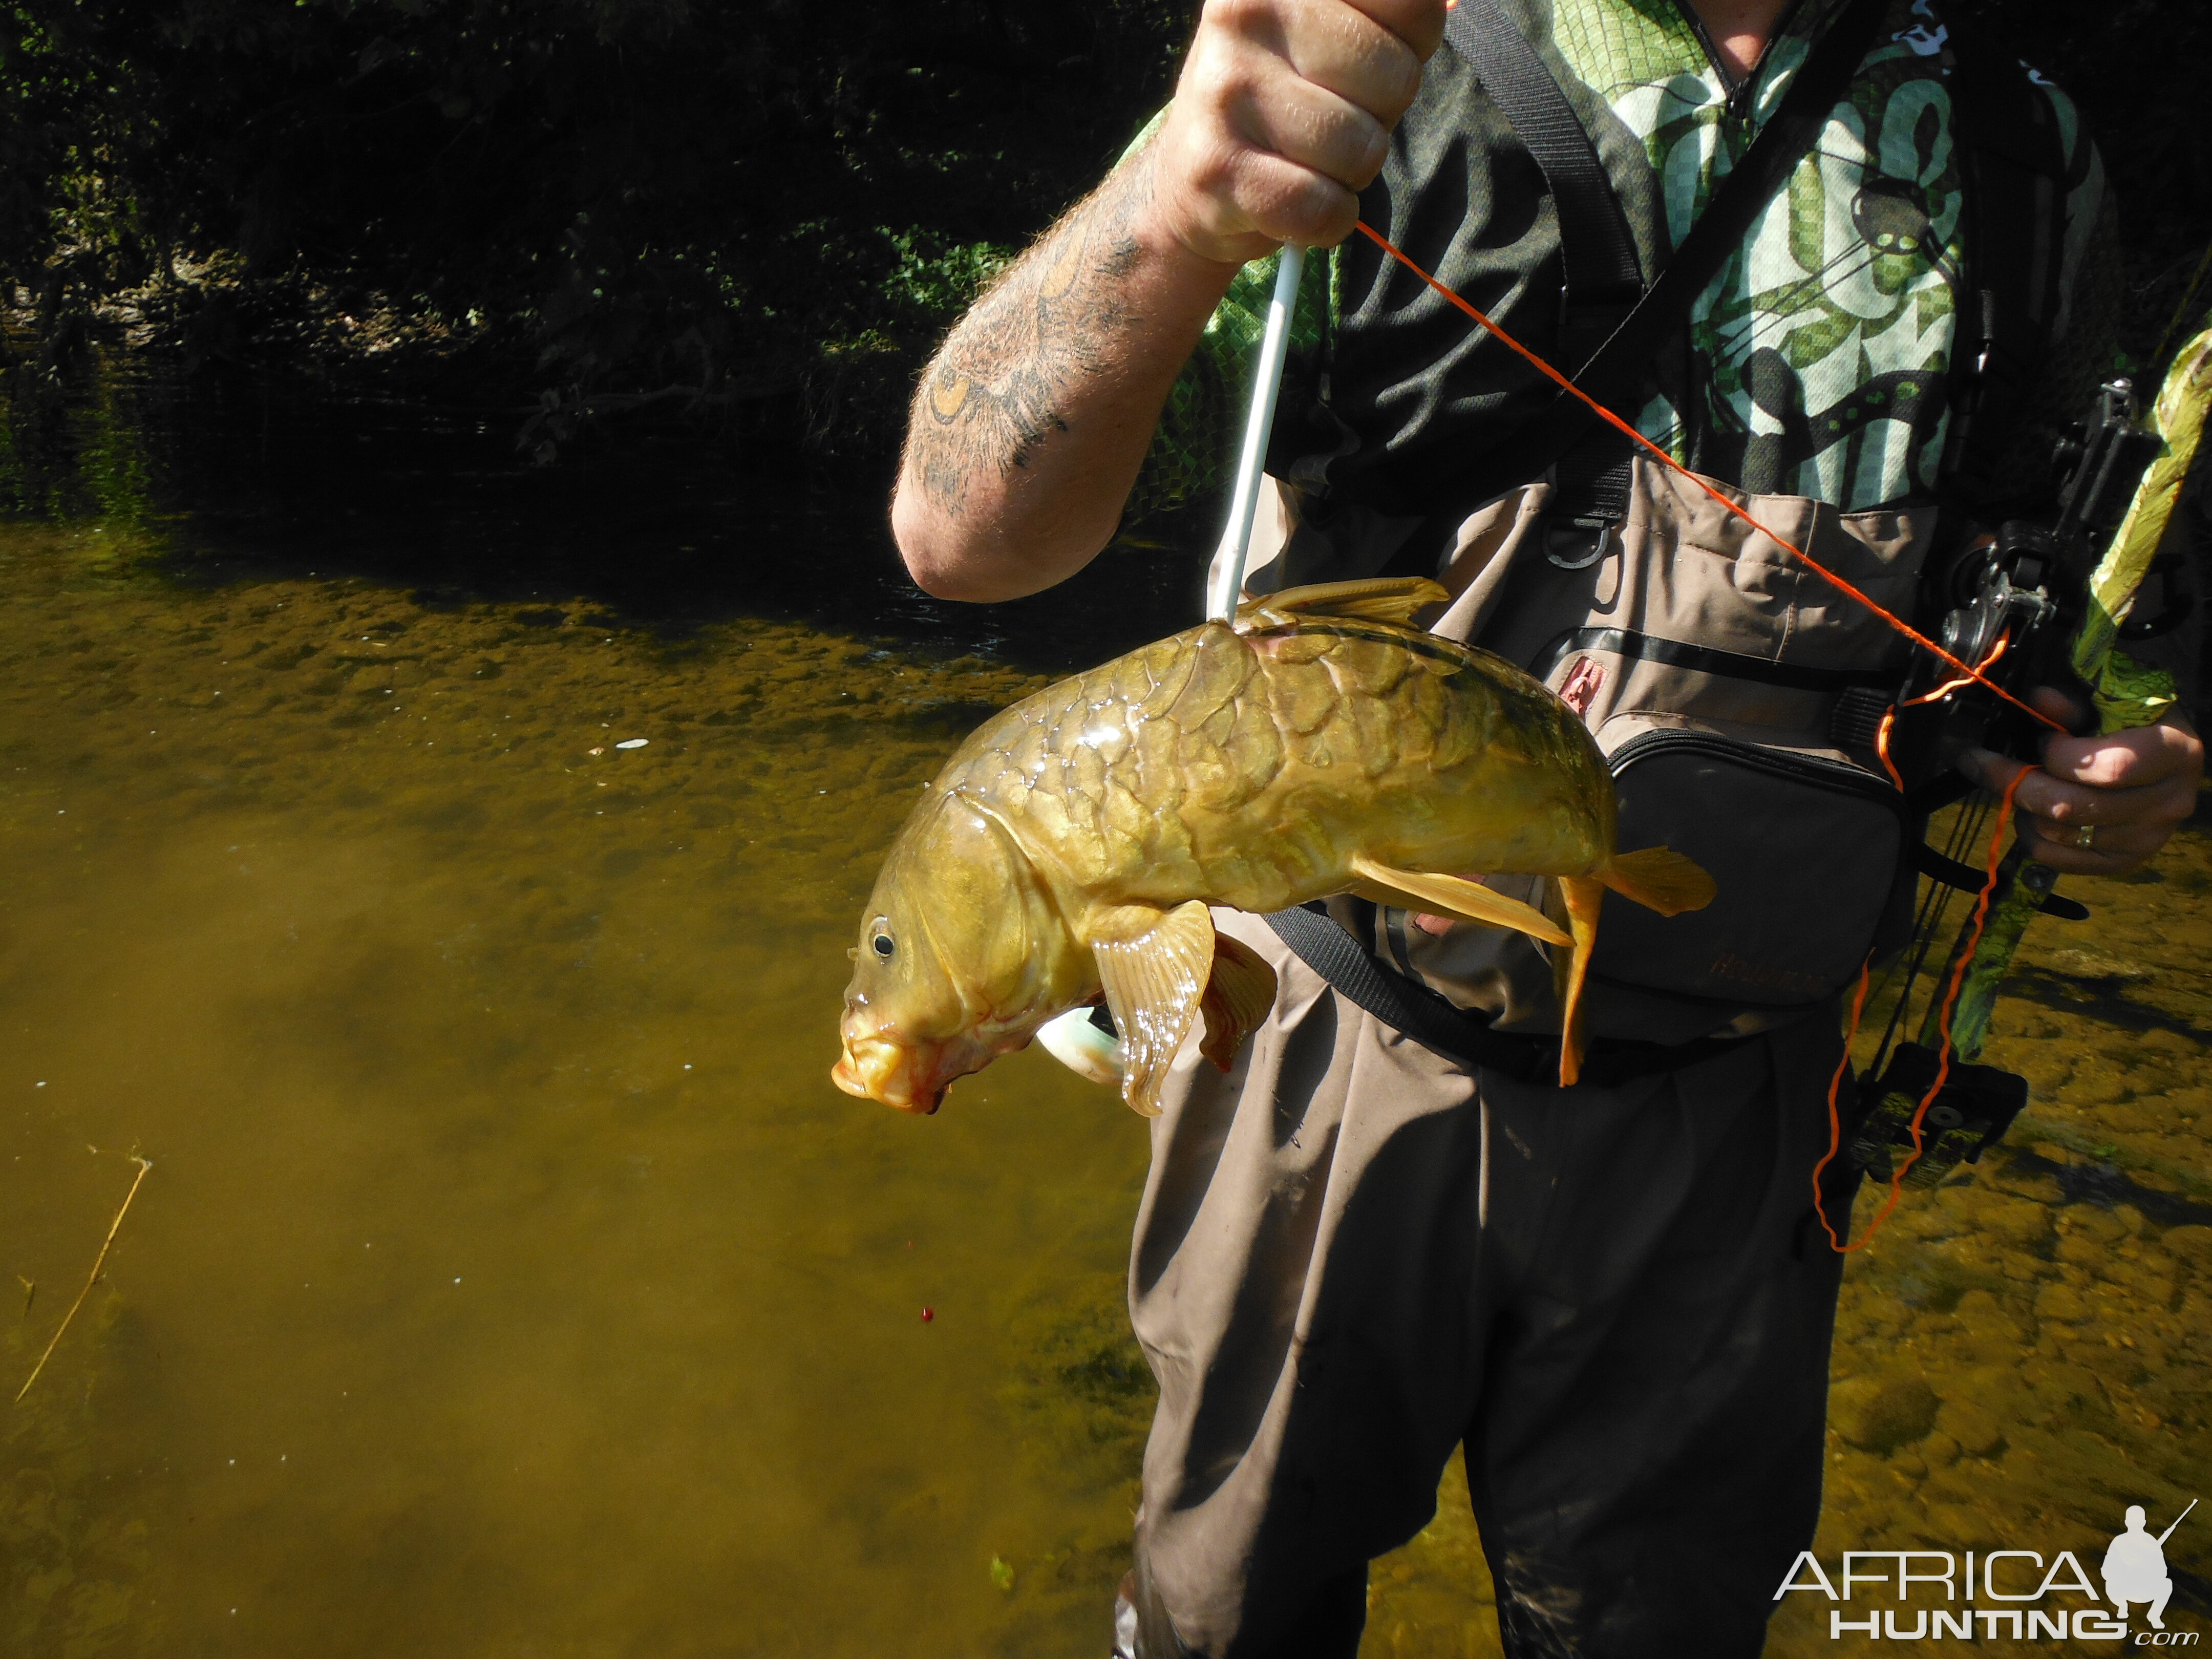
{"x":1319,"y":744}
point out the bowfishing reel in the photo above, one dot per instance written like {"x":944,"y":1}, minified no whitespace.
{"x":2006,"y":604}
{"x":1971,"y":1114}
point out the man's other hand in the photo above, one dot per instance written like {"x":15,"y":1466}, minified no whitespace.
{"x":2133,"y":787}
{"x":1283,"y":116}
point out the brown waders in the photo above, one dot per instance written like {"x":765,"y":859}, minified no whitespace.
{"x":1353,"y":1255}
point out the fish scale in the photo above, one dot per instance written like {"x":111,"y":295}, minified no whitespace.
{"x":1318,"y":745}
{"x":1236,"y":732}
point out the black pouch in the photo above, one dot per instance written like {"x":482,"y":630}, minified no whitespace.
{"x":1808,"y":852}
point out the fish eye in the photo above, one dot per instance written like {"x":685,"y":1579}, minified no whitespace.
{"x":883,"y":947}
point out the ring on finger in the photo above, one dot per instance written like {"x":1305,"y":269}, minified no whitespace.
{"x":2086,"y":836}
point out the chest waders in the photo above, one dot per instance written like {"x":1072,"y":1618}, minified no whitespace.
{"x":1749,"y":743}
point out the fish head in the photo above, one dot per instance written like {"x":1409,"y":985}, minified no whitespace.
{"x":962,"y":955}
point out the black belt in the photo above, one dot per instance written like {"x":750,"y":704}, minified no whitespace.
{"x":1468,"y":1039}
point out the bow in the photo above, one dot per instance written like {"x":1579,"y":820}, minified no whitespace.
{"x":2044,"y":598}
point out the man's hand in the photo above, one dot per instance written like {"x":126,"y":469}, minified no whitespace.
{"x":1283,"y":116}
{"x":2133,"y":787}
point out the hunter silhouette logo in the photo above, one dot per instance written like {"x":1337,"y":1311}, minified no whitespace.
{"x":2135,"y":1567}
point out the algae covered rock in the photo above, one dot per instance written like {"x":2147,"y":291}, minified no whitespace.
{"x":2061,"y":1302}
{"x":2192,"y":1245}
{"x":2019,"y":1223}
{"x":1881,"y":1413}
{"x":1975,"y":1428}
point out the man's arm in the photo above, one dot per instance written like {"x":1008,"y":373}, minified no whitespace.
{"x":1030,"y":426}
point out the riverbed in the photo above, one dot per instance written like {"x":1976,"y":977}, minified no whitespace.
{"x":440,"y":873}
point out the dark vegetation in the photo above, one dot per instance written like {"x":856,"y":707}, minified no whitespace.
{"x":590,"y":202}
{"x":756,"y":213}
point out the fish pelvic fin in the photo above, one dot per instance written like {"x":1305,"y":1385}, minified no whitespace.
{"x":1456,"y":895}
{"x":1659,"y":879}
{"x":1155,"y":980}
{"x":1377,"y":598}
{"x":1238,"y":994}
{"x":1583,"y":895}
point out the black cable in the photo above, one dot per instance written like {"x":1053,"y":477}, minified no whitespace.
{"x":1965,"y":829}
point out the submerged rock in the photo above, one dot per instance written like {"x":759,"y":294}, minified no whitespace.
{"x":1881,"y":1413}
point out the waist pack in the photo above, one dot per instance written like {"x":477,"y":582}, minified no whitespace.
{"x":1816,"y":878}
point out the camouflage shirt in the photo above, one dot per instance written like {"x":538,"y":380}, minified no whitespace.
{"x":1817,"y":361}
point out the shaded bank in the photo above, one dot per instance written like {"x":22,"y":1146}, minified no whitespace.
{"x":758,"y":218}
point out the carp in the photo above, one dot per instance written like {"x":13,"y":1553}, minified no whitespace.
{"x":1319,"y":744}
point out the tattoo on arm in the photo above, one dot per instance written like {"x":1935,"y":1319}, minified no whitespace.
{"x":995,"y":389}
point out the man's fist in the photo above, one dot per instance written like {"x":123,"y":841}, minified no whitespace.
{"x":2130,"y":789}
{"x":1283,"y":116}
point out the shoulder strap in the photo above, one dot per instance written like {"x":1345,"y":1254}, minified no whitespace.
{"x":1597,"y":254}
{"x":1467,"y":1039}
{"x":1617,"y":368}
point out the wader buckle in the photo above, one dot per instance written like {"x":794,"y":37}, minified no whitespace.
{"x":1577,"y":543}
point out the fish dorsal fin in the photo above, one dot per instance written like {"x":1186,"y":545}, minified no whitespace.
{"x":1155,"y":980}
{"x":1378,"y":599}
{"x":1456,"y":895}
{"x":1659,"y":879}
{"x":1238,"y":994}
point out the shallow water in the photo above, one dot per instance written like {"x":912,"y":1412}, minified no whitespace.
{"x":511,"y":1281}
{"x":2025,"y":1352}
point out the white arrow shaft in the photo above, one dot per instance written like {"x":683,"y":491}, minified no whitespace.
{"x":1224,"y":581}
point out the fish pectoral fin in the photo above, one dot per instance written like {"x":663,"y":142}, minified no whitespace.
{"x":1155,"y":980}
{"x":1378,"y":599}
{"x":1660,"y":880}
{"x":1238,"y":995}
{"x":1456,"y":895}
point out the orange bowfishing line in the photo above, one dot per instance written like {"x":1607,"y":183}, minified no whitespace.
{"x":1614,"y":421}
{"x":1970,"y":674}
{"x":1943,"y":1051}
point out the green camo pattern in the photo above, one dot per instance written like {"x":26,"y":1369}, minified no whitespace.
{"x":1836,"y":318}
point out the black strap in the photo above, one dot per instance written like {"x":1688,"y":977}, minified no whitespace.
{"x":1602,"y":276}
{"x":1615,"y":373}
{"x":1708,"y":660}
{"x":1967,"y":880}
{"x":1597,"y":254}
{"x":1467,"y":1039}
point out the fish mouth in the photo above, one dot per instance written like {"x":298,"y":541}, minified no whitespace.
{"x":877,"y":1069}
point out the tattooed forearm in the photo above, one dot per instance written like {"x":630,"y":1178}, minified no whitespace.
{"x":996,"y":389}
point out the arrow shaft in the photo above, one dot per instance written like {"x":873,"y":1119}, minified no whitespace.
{"x":1224,"y":584}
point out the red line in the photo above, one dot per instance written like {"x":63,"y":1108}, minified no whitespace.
{"x":1944,"y":1049}
{"x":1614,"y":421}
{"x":1835,"y":1118}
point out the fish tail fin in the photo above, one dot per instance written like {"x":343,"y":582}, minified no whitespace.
{"x":1583,"y":895}
{"x":1659,"y":879}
